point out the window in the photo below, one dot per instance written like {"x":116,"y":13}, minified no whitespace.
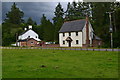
{"x":28,"y":36}
{"x":63,"y":42}
{"x":36,"y":36}
{"x":77,"y":41}
{"x":32,"y":42}
{"x":69,"y":34}
{"x":63,"y":34}
{"x":76,"y":33}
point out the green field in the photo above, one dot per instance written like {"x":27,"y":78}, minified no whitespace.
{"x":27,"y":63}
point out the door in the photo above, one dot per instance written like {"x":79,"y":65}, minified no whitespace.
{"x":69,"y":43}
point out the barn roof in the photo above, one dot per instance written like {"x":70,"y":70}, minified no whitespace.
{"x":73,"y":26}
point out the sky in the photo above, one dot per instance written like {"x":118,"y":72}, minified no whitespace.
{"x":35,"y":10}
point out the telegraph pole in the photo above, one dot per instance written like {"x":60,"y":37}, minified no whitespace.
{"x":111,"y":28}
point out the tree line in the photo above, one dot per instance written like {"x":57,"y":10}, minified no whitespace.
{"x":14,"y":23}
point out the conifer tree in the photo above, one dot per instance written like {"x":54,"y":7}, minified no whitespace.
{"x":15,"y":15}
{"x":58,"y":21}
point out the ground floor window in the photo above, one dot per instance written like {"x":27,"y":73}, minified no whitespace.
{"x":32,"y":42}
{"x":63,"y":42}
{"x":77,"y":41}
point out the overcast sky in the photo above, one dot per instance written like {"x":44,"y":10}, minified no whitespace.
{"x":33,"y":9}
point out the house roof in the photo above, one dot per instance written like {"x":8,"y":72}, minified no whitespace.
{"x":26,"y":39}
{"x":96,"y":37}
{"x":69,"y":39}
{"x":25,"y":31}
{"x":73,"y":26}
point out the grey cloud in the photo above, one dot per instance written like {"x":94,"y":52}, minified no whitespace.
{"x":34,"y":9}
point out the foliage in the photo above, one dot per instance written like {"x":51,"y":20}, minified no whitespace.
{"x":31,"y":22}
{"x":49,"y":31}
{"x":15,"y":15}
{"x":10,"y":33}
{"x":101,"y":22}
{"x":58,"y":21}
{"x":12,"y":25}
{"x":46,"y":29}
{"x":77,"y":11}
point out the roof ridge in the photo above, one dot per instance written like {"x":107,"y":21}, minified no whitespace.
{"x":74,"y":20}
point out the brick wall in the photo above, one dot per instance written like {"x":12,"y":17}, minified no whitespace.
{"x":97,"y":43}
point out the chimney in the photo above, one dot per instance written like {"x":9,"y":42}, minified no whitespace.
{"x":30,"y":26}
{"x":25,"y":29}
{"x":87,"y":32}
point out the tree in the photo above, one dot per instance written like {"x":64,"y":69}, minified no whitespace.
{"x":30,"y":21}
{"x":12,"y":25}
{"x":46,"y":29}
{"x":77,"y":11}
{"x":58,"y":21}
{"x":15,"y":15}
{"x":101,"y":21}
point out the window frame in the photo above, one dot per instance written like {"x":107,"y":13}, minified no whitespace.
{"x":63,"y":34}
{"x":63,"y":41}
{"x":32,"y":42}
{"x":76,"y":33}
{"x":69,"y":33}
{"x":77,"y":41}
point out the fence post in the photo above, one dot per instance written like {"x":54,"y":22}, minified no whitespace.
{"x":112,"y":49}
{"x":106,"y":49}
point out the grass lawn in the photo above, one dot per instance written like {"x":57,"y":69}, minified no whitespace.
{"x":27,"y":63}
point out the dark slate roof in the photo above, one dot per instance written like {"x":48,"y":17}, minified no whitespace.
{"x":73,"y":26}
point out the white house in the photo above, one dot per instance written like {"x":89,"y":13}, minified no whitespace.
{"x":28,"y":38}
{"x":77,"y":33}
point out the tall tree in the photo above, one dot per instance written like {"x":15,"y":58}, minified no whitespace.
{"x":101,"y":21}
{"x":46,"y":29}
{"x":77,"y":11}
{"x":30,"y":21}
{"x":12,"y":25}
{"x":15,"y":15}
{"x":58,"y":21}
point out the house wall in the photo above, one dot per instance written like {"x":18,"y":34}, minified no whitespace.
{"x":73,"y":37}
{"x":23,"y":43}
{"x":30,"y":33}
{"x":90,"y":34}
{"x":28,"y":43}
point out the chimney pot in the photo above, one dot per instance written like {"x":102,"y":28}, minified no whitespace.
{"x":25,"y":29}
{"x":30,"y":26}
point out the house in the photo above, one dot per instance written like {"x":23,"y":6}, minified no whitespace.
{"x":28,"y":38}
{"x":78,"y":33}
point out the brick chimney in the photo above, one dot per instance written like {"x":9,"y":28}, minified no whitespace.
{"x":87,"y":32}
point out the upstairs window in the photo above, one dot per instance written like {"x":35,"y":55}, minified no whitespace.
{"x":69,"y":34}
{"x":77,"y":41}
{"x":63,"y":34}
{"x":76,"y":33}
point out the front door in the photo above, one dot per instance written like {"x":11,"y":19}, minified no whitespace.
{"x":69,"y":43}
